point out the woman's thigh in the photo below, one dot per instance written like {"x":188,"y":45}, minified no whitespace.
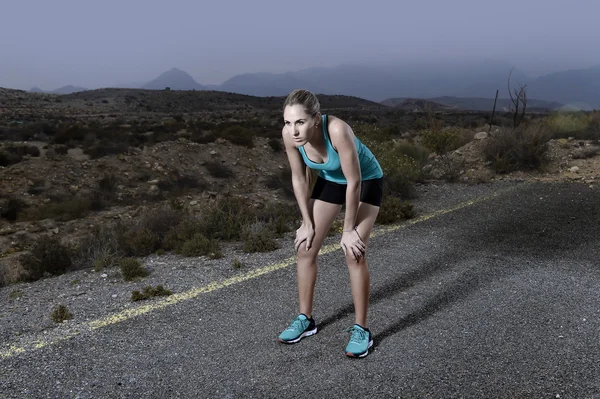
{"x":324,"y":213}
{"x":365,"y":220}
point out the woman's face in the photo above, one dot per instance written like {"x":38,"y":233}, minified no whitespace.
{"x":299,"y":124}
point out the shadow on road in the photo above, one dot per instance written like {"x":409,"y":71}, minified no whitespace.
{"x":543,"y":221}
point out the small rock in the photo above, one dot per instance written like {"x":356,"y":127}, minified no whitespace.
{"x":104,"y":275}
{"x":481,"y":136}
{"x":193,"y":203}
{"x":213,"y":152}
{"x":114,"y":295}
{"x":574,"y":169}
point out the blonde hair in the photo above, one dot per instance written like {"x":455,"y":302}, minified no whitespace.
{"x":306,"y":99}
{"x":311,"y":106}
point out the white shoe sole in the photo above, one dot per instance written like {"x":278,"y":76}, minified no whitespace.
{"x":349,"y":354}
{"x":304,"y":334}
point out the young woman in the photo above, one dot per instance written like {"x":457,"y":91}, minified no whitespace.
{"x":348,"y":172}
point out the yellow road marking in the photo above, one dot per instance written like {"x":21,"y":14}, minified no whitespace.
{"x":39,"y":341}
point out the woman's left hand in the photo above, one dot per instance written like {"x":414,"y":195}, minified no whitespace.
{"x":352,"y":242}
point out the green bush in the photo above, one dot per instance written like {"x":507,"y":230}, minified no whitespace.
{"x":282,"y":181}
{"x":441,"y":141}
{"x":275,"y":144}
{"x":12,"y":209}
{"x":218,"y":170}
{"x":131,"y":268}
{"x":259,"y":238}
{"x":393,"y":209}
{"x":101,"y":248}
{"x":7,"y":158}
{"x":199,"y":245}
{"x":521,"y":148}
{"x":150,"y":292}
{"x":140,"y":241}
{"x":47,"y":256}
{"x":238,"y":135}
{"x":75,"y":208}
{"x":60,"y":314}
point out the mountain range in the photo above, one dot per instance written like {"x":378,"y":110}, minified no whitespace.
{"x":576,"y":88}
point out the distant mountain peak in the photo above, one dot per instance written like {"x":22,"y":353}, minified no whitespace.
{"x":175,"y":79}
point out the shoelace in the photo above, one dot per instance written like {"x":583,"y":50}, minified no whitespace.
{"x":358,"y":335}
{"x":297,"y":324}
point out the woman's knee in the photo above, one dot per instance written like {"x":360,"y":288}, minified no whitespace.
{"x":352,"y":262}
{"x":309,"y":256}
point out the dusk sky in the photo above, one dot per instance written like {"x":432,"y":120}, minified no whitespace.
{"x":98,"y":44}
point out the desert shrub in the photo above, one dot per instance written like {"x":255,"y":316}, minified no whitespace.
{"x":150,"y":292}
{"x":275,"y":144}
{"x":104,"y":148}
{"x":12,"y":209}
{"x":579,"y":125}
{"x":101,"y":248}
{"x":563,"y":124}
{"x":237,"y":264}
{"x":522,"y":147}
{"x":22,"y":150}
{"x":47,"y":256}
{"x":282,"y":181}
{"x":178,"y":184}
{"x":238,"y":135}
{"x":417,"y":152}
{"x":75,"y":208}
{"x":218,"y":170}
{"x":393,"y":209}
{"x":7,"y":158}
{"x":65,"y":134}
{"x":154,"y":229}
{"x":199,"y":245}
{"x":182,"y":232}
{"x":131,"y":268}
{"x":441,"y":141}
{"x":259,"y":238}
{"x":105,"y":193}
{"x":60,"y":314}
{"x":38,"y":187}
{"x":140,"y":241}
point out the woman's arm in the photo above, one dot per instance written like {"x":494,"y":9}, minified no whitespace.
{"x":301,"y":190}
{"x":342,"y":139}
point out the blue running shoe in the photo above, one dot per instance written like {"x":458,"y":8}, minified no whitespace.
{"x":299,"y":328}
{"x":360,"y":341}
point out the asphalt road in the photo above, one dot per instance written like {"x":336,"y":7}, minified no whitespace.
{"x":496,"y":299}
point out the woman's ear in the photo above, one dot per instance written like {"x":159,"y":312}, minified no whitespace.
{"x":318,"y":119}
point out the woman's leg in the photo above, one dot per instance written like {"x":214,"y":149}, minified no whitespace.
{"x":359,"y":271}
{"x":324,"y":213}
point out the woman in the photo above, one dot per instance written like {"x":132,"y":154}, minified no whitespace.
{"x":348,"y":172}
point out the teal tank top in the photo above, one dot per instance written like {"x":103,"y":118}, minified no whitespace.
{"x":332,"y":169}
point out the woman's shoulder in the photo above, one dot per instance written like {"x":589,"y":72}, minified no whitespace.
{"x":336,"y":127}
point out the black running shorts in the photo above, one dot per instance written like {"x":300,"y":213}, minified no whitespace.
{"x":371,"y":191}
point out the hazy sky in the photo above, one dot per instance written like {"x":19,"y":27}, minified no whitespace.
{"x":52,"y":43}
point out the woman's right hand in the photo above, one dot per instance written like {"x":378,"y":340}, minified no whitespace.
{"x":305,"y":233}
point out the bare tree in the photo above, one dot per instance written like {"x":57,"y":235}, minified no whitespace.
{"x":519,"y":102}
